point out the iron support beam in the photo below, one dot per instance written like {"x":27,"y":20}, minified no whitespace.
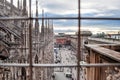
{"x":30,"y":43}
{"x":79,"y":43}
{"x":58,"y":18}
{"x":59,"y":65}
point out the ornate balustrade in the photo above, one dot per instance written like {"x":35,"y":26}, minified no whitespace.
{"x":100,"y":54}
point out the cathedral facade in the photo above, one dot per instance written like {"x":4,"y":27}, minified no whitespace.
{"x":14,"y":42}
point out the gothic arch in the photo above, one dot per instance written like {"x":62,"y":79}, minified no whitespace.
{"x":36,"y":59}
{"x":23,"y":73}
{"x":4,"y":54}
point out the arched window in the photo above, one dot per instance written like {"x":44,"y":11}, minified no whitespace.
{"x":23,"y":73}
{"x":4,"y":54}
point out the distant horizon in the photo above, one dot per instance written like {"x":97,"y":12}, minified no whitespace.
{"x":110,"y":32}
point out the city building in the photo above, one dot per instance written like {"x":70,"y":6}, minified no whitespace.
{"x":62,"y":39}
{"x":113,"y":36}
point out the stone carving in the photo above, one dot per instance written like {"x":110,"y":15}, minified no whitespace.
{"x":113,"y":74}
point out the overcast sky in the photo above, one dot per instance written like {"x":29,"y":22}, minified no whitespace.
{"x":89,"y":8}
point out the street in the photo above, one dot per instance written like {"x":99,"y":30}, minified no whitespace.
{"x":60,"y":76}
{"x":65,"y":55}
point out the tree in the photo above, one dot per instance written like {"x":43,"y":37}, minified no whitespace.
{"x":100,"y":35}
